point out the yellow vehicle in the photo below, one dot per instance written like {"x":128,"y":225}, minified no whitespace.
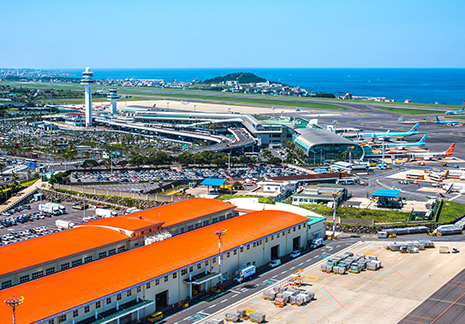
{"x":373,"y":164}
{"x":155,"y":317}
{"x":443,"y":164}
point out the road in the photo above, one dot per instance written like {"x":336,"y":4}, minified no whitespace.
{"x":237,"y":293}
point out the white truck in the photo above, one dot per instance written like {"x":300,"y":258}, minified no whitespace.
{"x":63,"y":224}
{"x":245,"y":273}
{"x":102,"y":212}
{"x":61,"y":207}
{"x":49,"y":209}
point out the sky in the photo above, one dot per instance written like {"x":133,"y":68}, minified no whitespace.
{"x":49,"y":34}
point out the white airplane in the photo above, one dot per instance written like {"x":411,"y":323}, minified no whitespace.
{"x":435,"y":155}
{"x":456,"y":112}
{"x":401,"y":146}
{"x":412,"y":131}
{"x":446,"y":122}
{"x":184,"y":102}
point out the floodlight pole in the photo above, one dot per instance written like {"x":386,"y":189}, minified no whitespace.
{"x":220,"y":234}
{"x":13,"y":302}
{"x":334,"y":214}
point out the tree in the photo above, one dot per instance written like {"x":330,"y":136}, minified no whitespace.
{"x":275,"y":160}
{"x":89,"y":164}
{"x":243,"y":159}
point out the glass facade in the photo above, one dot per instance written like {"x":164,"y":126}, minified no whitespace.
{"x":321,"y":153}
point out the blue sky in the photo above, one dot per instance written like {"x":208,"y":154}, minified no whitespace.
{"x":239,"y":33}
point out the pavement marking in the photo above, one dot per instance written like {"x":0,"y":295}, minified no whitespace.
{"x":223,"y":301}
{"x":455,"y":197}
{"x":446,"y":301}
{"x":203,"y":313}
{"x":448,"y":308}
{"x":236,"y":292}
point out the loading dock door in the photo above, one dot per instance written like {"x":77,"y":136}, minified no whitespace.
{"x":161,"y":299}
{"x":275,"y":252}
{"x":296,"y":243}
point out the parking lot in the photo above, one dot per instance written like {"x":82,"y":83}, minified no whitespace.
{"x":158,"y":176}
{"x":21,"y":231}
{"x":387,"y":295}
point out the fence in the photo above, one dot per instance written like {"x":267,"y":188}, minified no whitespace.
{"x":123,"y":194}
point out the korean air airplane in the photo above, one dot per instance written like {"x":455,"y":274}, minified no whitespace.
{"x":412,"y":131}
{"x":456,"y":112}
{"x":401,"y":146}
{"x":446,"y":123}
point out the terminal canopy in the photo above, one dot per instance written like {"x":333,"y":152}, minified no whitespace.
{"x":386,"y":193}
{"x":213,"y":182}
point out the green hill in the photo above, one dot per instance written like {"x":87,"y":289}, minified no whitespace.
{"x":241,"y":77}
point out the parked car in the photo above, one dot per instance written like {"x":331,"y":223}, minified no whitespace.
{"x":275,"y":263}
{"x":295,"y":254}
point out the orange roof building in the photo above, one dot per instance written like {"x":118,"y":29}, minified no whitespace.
{"x":153,"y":276}
{"x":44,"y":255}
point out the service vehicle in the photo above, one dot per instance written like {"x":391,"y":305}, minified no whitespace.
{"x":316,"y":243}
{"x":102,"y":212}
{"x":245,"y":273}
{"x":155,"y":317}
{"x":295,"y":254}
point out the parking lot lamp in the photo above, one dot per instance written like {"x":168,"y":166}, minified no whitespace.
{"x":13,"y":302}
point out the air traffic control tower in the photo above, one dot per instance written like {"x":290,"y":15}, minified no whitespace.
{"x":113,"y":97}
{"x":87,"y":81}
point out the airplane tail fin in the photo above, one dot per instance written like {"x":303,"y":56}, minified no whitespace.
{"x":463,"y":108}
{"x":437,"y":119}
{"x":414,"y":129}
{"x":423,"y":139}
{"x":450,"y":150}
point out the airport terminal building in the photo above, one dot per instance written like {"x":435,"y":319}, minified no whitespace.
{"x":120,"y":269}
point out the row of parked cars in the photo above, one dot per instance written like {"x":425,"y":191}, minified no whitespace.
{"x":18,"y":236}
{"x":14,"y":220}
{"x":16,"y":210}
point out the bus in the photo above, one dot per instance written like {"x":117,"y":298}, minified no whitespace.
{"x":436,"y":177}
{"x":415,"y":176}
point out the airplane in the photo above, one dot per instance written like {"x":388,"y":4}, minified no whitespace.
{"x":184,"y":102}
{"x":401,"y":146}
{"x":412,"y":131}
{"x":439,"y":155}
{"x":99,"y":91}
{"x":446,"y":123}
{"x":456,"y":112}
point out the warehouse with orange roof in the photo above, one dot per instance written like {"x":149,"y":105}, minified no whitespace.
{"x":131,"y":285}
{"x":105,"y":237}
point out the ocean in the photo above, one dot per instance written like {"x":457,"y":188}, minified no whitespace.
{"x":445,"y":86}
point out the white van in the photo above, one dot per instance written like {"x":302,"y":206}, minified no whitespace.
{"x":316,"y":243}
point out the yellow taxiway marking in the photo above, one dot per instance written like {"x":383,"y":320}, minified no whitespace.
{"x":312,"y":278}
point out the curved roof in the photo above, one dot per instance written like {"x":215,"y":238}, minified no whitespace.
{"x":313,"y":136}
{"x":171,"y":214}
{"x":96,"y":280}
{"x":43,"y":249}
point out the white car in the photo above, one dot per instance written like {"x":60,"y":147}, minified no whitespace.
{"x":295,"y":254}
{"x":275,"y":263}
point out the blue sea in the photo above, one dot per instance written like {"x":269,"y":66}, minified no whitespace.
{"x":445,"y":86}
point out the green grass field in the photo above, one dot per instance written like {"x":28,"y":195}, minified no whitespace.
{"x":379,"y":216}
{"x":450,"y":211}
{"x":411,"y":111}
